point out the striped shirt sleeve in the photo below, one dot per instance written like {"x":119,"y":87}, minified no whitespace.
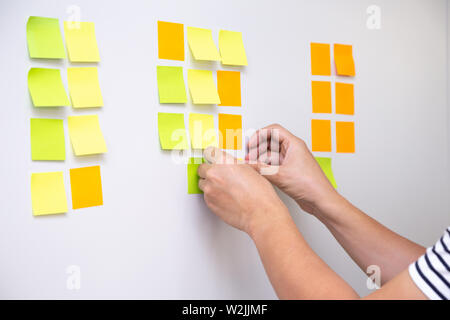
{"x":431,"y":272}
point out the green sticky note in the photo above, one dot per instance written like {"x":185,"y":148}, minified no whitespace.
{"x":325,"y":164}
{"x":47,"y":139}
{"x":192,"y":176}
{"x":172,"y":131}
{"x":44,"y":38}
{"x":171,"y":86}
{"x":46,"y":88}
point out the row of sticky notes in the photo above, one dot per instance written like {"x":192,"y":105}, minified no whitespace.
{"x":48,"y":143}
{"x":321,"y":136}
{"x":201,"y":44}
{"x":48,"y":194}
{"x":344,"y":97}
{"x":45,"y":40}
{"x":321,"y":59}
{"x":173,"y":136}
{"x":171,"y":86}
{"x":47,"y":89}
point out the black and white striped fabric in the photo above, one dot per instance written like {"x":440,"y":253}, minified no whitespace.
{"x":431,"y":273}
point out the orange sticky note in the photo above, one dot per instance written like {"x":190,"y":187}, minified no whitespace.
{"x":86,"y":186}
{"x":343,"y":58}
{"x":230,"y":131}
{"x":321,"y":96}
{"x":320,"y":59}
{"x":345,"y":137}
{"x":229,"y":87}
{"x":170,"y":41}
{"x":345,"y":101}
{"x":321,"y":135}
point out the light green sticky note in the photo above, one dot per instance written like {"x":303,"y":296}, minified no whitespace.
{"x":171,"y":86}
{"x":47,"y":139}
{"x":325,"y":164}
{"x":192,"y":176}
{"x":172,"y":131}
{"x":46,"y":88}
{"x":44,"y":38}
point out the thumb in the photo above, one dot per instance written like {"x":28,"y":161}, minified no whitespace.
{"x":270,"y":172}
{"x":214,"y":155}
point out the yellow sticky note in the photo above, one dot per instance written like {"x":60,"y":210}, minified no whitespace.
{"x":325,"y":165}
{"x":170,"y":41}
{"x":321,"y":135}
{"x":46,"y":88}
{"x":48,"y":194}
{"x":86,"y":135}
{"x":321,"y":96}
{"x":202,"y":131}
{"x":345,"y":137}
{"x":44,"y":38}
{"x":202,"y":44}
{"x":171,"y":88}
{"x":320,"y":59}
{"x":172,"y":131}
{"x":230,"y":130}
{"x":84,"y":88}
{"x":345,"y":101}
{"x":81,"y":41}
{"x":202,"y":87}
{"x":343,"y":58}
{"x":229,"y":88}
{"x":86,"y":187}
{"x":231,"y":48}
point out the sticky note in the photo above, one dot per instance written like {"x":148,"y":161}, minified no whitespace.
{"x":44,"y":38}
{"x":192,"y":176}
{"x":48,"y":194}
{"x":345,"y":137}
{"x":343,"y":58}
{"x":202,"y":131}
{"x":231,"y":48}
{"x":86,"y":135}
{"x":229,"y":88}
{"x":47,"y":139}
{"x":325,"y":164}
{"x":230,"y":130}
{"x":86,"y":186}
{"x":321,"y":135}
{"x":202,"y":44}
{"x":345,"y":101}
{"x":171,"y":86}
{"x":202,"y":87}
{"x":320,"y":59}
{"x":172,"y":131}
{"x":321,"y":96}
{"x":81,"y":41}
{"x":170,"y":41}
{"x":84,"y":88}
{"x":46,"y":88}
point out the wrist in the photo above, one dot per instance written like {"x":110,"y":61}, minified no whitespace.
{"x":266,"y":220}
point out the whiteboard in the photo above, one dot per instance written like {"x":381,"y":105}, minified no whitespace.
{"x":151,"y":239}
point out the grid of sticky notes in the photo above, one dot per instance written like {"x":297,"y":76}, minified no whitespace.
{"x":205,"y":87}
{"x":47,"y":89}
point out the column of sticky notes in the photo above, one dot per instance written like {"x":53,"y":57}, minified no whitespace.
{"x":46,"y":88}
{"x":321,"y":92}
{"x":203,"y":91}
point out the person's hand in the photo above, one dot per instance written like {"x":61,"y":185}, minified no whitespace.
{"x":237,"y":194}
{"x":285,"y":160}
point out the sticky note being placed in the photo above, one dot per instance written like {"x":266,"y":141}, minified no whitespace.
{"x":345,"y":101}
{"x":202,"y":44}
{"x":229,"y":88}
{"x":84,"y":88}
{"x":321,"y":96}
{"x":230,"y":129}
{"x":47,"y":139}
{"x":81,"y":41}
{"x":46,"y":88}
{"x":86,"y":135}
{"x":44,"y":38}
{"x":202,"y":87}
{"x":320,"y":59}
{"x":172,"y":131}
{"x":345,"y":137}
{"x":231,"y":48}
{"x":171,"y":86}
{"x":48,"y":194}
{"x":202,"y":131}
{"x":192,"y":176}
{"x":343,"y":58}
{"x":86,"y":186}
{"x":170,"y":41}
{"x":325,"y":164}
{"x":321,"y":135}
